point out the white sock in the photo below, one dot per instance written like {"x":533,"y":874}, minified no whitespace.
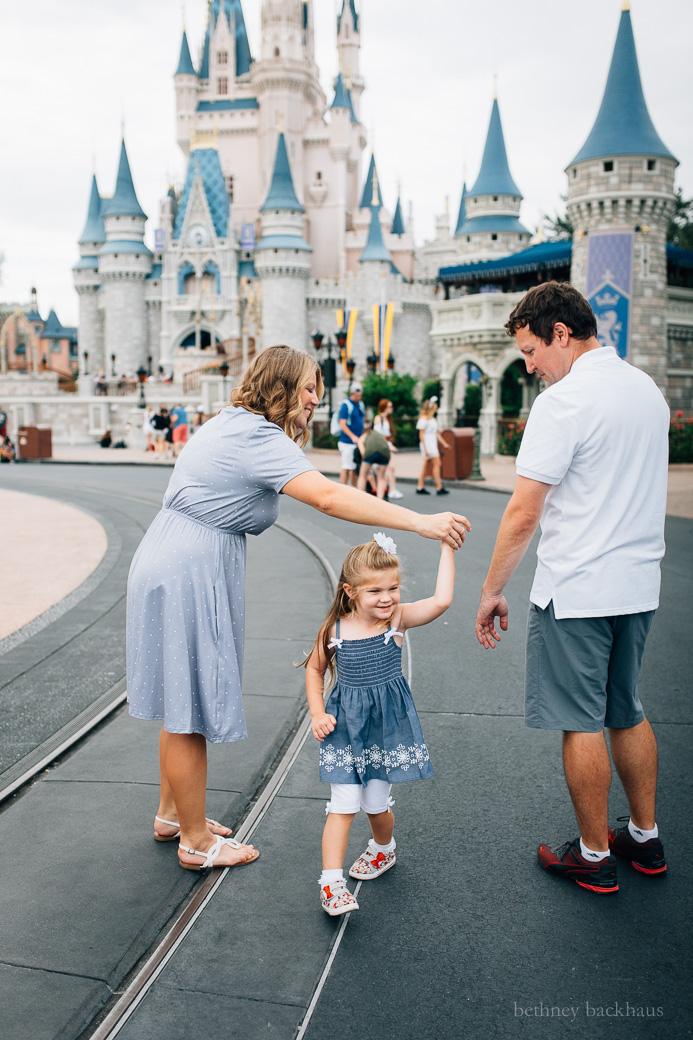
{"x":328,"y":877}
{"x":590,"y":854}
{"x":390,"y":847}
{"x":640,"y":835}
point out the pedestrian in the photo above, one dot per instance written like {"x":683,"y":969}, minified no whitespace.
{"x":198,"y":418}
{"x":592,"y":470}
{"x":161,"y":424}
{"x":351,"y":418}
{"x":375,"y":737}
{"x":375,"y":452}
{"x":430,"y":443}
{"x":148,"y":430}
{"x":7,"y":449}
{"x":179,"y":428}
{"x":382,"y":423}
{"x":3,"y":422}
{"x":185,"y":612}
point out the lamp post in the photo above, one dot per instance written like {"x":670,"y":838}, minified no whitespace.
{"x":372,"y":362}
{"x":141,"y":375}
{"x":327,"y":364}
{"x":85,"y":355}
{"x":391,"y":362}
{"x":149,"y":364}
{"x":224,"y":369}
{"x":113,"y":361}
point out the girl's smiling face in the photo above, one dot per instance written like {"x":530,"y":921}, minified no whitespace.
{"x":377,"y":595}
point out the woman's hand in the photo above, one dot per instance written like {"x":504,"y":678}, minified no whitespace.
{"x":322,"y":724}
{"x":450,"y":528}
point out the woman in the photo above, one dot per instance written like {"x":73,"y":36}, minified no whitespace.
{"x":185,"y":626}
{"x":430,"y":442}
{"x":161,"y":424}
{"x":375,"y":453}
{"x":383,"y":424}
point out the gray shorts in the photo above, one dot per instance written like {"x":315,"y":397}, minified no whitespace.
{"x":582,"y":673}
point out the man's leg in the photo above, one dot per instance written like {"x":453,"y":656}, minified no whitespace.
{"x":588,"y":774}
{"x":635,"y":758}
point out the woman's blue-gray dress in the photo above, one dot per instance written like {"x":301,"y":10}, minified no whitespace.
{"x":378,"y":734}
{"x":186,"y":589}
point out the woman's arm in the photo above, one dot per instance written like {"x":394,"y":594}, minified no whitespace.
{"x":349,"y":504}
{"x":321,"y":722}
{"x":426,"y":610}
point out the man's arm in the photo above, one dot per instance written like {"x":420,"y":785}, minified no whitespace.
{"x":520,"y":521}
{"x":344,"y":425}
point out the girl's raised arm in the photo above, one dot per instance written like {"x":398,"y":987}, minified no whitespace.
{"x":424,"y":611}
{"x":321,"y":722}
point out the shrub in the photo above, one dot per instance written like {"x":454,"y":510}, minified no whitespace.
{"x":322,"y":438}
{"x":681,"y":439}
{"x":510,"y":436}
{"x":472,"y":399}
{"x":396,"y":388}
{"x":431,"y":388}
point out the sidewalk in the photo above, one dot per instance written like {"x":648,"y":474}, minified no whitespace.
{"x":498,"y":472}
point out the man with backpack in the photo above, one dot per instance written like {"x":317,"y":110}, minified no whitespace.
{"x":351,"y":415}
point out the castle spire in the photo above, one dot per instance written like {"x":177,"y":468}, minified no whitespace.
{"x":281,"y":194}
{"x":462,"y":212}
{"x":185,"y":65}
{"x":398,"y":220}
{"x":340,"y":97}
{"x":623,"y":125}
{"x":94,"y":230}
{"x":372,"y":196}
{"x":494,"y":176}
{"x":375,"y":248}
{"x":124,"y":201}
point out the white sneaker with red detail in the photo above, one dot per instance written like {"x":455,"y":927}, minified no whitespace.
{"x":336,"y":899}
{"x":372,"y":864}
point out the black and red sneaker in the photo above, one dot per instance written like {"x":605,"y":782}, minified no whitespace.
{"x":568,"y":862}
{"x":645,"y":856}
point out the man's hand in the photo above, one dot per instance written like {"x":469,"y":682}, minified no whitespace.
{"x":490,"y":608}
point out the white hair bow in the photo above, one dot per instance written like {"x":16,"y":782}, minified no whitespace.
{"x":387,"y":544}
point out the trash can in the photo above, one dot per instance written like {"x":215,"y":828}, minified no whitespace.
{"x":35,"y":442}
{"x":458,"y":461}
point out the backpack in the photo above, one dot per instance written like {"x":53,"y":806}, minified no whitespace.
{"x":335,"y":428}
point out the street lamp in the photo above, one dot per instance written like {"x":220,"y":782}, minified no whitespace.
{"x":224,"y":369}
{"x":391,"y":362}
{"x":113,"y":361}
{"x":85,"y":355}
{"x":372,"y":362}
{"x":149,"y":364}
{"x":328,"y":365}
{"x":141,"y":375}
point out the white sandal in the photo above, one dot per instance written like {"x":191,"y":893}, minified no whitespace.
{"x":174,"y":823}
{"x":212,"y":855}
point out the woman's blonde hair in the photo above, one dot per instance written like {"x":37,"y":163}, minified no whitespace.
{"x":427,"y":409}
{"x":359,"y":561}
{"x":272,"y":386}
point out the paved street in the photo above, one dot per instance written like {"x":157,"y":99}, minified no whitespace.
{"x":466,"y":938}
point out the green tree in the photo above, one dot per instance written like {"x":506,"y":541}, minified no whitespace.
{"x":396,"y":388}
{"x":557,"y":228}
{"x":431,"y":388}
{"x":680,"y":226}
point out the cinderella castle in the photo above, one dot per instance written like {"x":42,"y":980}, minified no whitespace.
{"x":281,"y":225}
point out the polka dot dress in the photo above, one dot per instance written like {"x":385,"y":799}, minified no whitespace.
{"x":186,"y":588}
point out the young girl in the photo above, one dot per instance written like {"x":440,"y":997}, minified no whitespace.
{"x":370,"y":718}
{"x":430,"y":443}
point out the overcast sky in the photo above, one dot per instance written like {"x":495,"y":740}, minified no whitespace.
{"x":71,"y":69}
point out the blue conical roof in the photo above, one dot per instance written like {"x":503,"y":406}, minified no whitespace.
{"x":340,"y":96}
{"x":185,"y":65}
{"x":462,"y":214}
{"x":398,"y":220}
{"x":281,"y":194}
{"x":352,"y":8}
{"x":205,"y":162}
{"x":623,"y":125}
{"x":494,"y":176}
{"x":367,"y":197}
{"x":243,"y":59}
{"x":53,"y":329}
{"x":375,"y":248}
{"x":354,"y":118}
{"x":124,"y":202}
{"x":94,"y":230}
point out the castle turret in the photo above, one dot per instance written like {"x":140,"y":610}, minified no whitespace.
{"x":124,"y":263}
{"x":349,"y":47}
{"x":620,"y":197}
{"x":282,"y":259}
{"x":87,"y":283}
{"x":187,"y":87}
{"x":492,"y":208}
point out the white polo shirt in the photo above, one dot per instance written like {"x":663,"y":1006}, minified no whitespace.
{"x":600,"y":436}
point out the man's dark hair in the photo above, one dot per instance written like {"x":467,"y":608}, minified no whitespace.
{"x":546,"y":304}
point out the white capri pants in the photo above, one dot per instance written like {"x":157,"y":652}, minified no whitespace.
{"x":346,"y":799}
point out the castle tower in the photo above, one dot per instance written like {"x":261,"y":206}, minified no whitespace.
{"x":349,"y":47}
{"x":187,"y":88}
{"x":282,"y":259}
{"x":87,"y":283}
{"x":124,"y":263}
{"x":492,"y":208}
{"x":620,"y":197}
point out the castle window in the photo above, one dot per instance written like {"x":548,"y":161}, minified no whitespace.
{"x":222,"y":57}
{"x":575,"y":172}
{"x":494,"y":237}
{"x":318,"y":175}
{"x":276,"y":52}
{"x":495,"y":198}
{"x":608,"y":166}
{"x":229,"y":187}
{"x":651,"y":165}
{"x":469,"y":238}
{"x":223,"y":85}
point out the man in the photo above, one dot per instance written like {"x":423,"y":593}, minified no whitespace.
{"x":351,"y":416}
{"x":592,"y":468}
{"x":179,"y":428}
